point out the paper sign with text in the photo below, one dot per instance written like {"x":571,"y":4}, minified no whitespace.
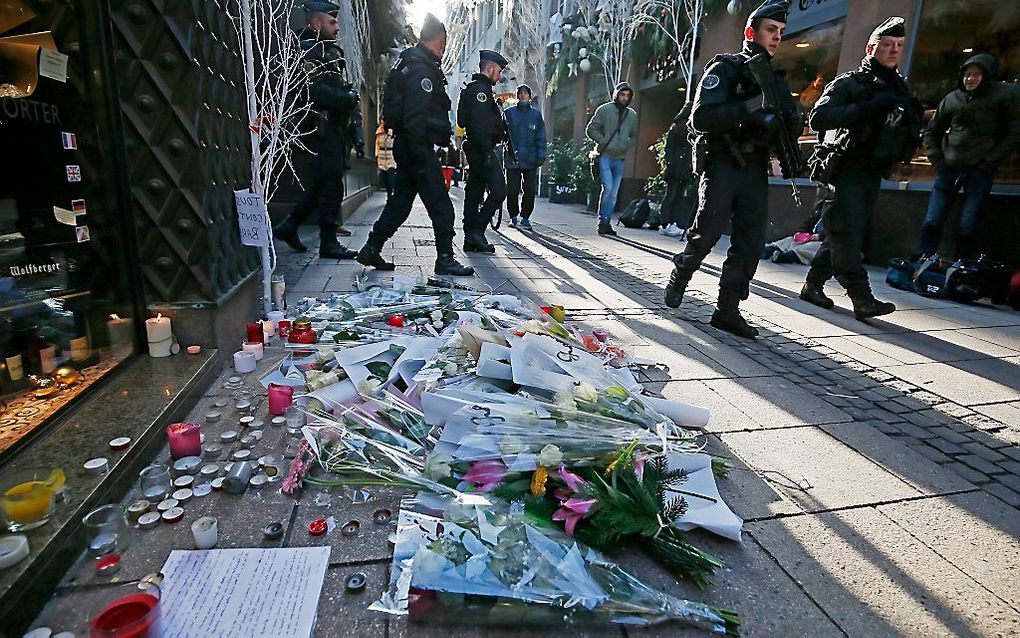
{"x":252,"y":218}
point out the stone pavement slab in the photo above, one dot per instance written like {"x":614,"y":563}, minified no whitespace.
{"x":957,"y":381}
{"x":776,"y":402}
{"x":874,"y":578}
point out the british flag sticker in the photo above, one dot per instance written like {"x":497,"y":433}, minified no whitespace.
{"x":69,"y":140}
{"x":73,"y":173}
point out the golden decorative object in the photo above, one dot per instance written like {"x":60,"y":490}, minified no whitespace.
{"x":66,"y":375}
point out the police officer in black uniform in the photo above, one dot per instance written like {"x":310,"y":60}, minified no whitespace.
{"x":335,"y":104}
{"x":867,"y":121}
{"x":482,"y":120}
{"x":735,"y":137}
{"x":417,"y":108}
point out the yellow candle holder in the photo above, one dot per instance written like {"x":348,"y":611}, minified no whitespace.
{"x":27,"y":497}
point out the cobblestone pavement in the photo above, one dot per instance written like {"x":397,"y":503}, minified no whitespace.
{"x":876,"y":464}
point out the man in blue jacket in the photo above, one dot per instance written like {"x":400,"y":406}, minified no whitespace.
{"x":527,"y":132}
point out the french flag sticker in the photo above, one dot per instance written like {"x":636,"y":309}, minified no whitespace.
{"x":70,"y":141}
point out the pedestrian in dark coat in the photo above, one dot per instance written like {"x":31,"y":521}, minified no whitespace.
{"x":527,"y":133}
{"x":678,"y":202}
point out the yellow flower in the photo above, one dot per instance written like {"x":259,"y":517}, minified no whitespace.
{"x":612,"y":466}
{"x":538,"y":480}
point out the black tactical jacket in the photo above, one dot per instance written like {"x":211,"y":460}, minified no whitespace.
{"x":719,"y":110}
{"x":860,"y":136}
{"x":479,"y":115}
{"x":425,"y":106}
{"x":333,"y":101}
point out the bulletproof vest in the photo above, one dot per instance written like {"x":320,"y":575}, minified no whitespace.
{"x":745,"y":89}
{"x":887,"y":140}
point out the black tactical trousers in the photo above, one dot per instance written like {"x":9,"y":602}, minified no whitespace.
{"x":485,"y":179}
{"x":323,"y":180}
{"x":729,"y":192}
{"x":418,"y":174}
{"x":846,"y":222}
{"x":515,"y":177}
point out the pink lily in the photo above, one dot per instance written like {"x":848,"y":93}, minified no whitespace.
{"x":486,"y":475}
{"x":573,"y":481}
{"x":572,"y":511}
{"x":639,"y":468}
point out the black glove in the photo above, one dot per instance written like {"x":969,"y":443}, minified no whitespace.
{"x":764,"y":124}
{"x":879,"y":105}
{"x":360,"y":152}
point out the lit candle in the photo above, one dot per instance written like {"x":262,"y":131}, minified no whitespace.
{"x":159,"y":335}
{"x":256,"y":349}
{"x":185,"y":440}
{"x":205,"y":532}
{"x":119,"y":331}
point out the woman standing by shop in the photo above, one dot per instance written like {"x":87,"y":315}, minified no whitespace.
{"x":384,"y":158}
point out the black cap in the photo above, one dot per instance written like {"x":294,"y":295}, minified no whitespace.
{"x":894,"y":26}
{"x":771,"y":9}
{"x":488,"y":55}
{"x":524,"y":87}
{"x":432,"y":28}
{"x":322,"y":6}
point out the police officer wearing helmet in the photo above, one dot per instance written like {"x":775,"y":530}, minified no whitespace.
{"x":335,"y":104}
{"x":867,"y":121}
{"x":482,"y":120}
{"x":417,"y":108}
{"x":735,"y":136}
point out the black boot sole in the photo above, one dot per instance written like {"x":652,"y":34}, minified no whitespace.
{"x":293,"y":241}
{"x":378,"y":264}
{"x":671,"y":300}
{"x":827,"y":304}
{"x":459,"y":273}
{"x":479,"y":249}
{"x":862,"y":316}
{"x":342,"y":254}
{"x":725,"y":327}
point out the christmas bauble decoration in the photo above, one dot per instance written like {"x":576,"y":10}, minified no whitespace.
{"x":582,"y":52}
{"x":66,"y":375}
{"x":585,"y":65}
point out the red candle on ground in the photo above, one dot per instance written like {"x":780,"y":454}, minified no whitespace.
{"x":255,"y":333}
{"x":280,"y":398}
{"x":133,"y":616}
{"x":283,"y":328}
{"x":185,"y":440}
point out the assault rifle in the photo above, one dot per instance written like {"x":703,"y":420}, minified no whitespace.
{"x":790,"y":160}
{"x":511,"y":151}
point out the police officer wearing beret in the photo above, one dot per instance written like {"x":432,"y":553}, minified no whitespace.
{"x":735,"y":136}
{"x":417,"y":108}
{"x":335,"y":104}
{"x":867,"y":121}
{"x":482,"y":120}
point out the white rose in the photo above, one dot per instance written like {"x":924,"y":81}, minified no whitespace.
{"x":437,"y":315}
{"x":437,"y":466}
{"x":586,"y":392}
{"x":550,"y":456}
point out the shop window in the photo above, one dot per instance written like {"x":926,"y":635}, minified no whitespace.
{"x":950,"y":31}
{"x":63,"y":264}
{"x":810,"y":59}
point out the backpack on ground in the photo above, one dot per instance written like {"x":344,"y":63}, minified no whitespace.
{"x":636,"y":213}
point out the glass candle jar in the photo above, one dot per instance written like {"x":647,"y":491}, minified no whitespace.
{"x":280,"y":398}
{"x":155,"y":483}
{"x":28,"y":497}
{"x":106,"y":530}
{"x":185,"y":439}
{"x":301,"y":332}
{"x":127,"y":611}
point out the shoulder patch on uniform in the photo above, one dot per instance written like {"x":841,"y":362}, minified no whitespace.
{"x":426,"y":85}
{"x":711,"y":81}
{"x":481,"y":97}
{"x":823,"y":101}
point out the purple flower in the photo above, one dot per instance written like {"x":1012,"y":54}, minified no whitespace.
{"x":572,"y":511}
{"x":485,"y":475}
{"x":573,"y":481}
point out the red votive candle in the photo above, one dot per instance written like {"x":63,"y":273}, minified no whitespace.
{"x":255,"y":333}
{"x":185,"y":440}
{"x":280,"y":398}
{"x":133,"y":616}
{"x":283,"y":328}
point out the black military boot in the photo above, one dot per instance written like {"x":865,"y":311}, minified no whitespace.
{"x":369,"y":255}
{"x":474,"y":242}
{"x":813,"y":293}
{"x":329,"y":247}
{"x":447,"y":264}
{"x":288,"y":232}
{"x":730,"y":320}
{"x":866,"y":306}
{"x":676,"y":287}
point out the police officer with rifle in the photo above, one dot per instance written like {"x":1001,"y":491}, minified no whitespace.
{"x":743,"y":111}
{"x":484,"y":126}
{"x":417,"y":108}
{"x":867,"y":121}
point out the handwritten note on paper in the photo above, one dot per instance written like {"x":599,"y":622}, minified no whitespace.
{"x":242,"y":592}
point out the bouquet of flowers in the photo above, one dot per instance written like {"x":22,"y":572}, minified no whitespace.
{"x":453,"y":556}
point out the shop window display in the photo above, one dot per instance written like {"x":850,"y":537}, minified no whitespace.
{"x":63,"y":266}
{"x":810,"y":59}
{"x":950,"y":31}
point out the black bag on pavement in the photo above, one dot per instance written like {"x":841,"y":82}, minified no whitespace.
{"x":636,"y":213}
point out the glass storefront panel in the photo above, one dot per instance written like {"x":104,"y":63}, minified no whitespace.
{"x":810,"y":59}
{"x":66,"y":316}
{"x":949,"y":32}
